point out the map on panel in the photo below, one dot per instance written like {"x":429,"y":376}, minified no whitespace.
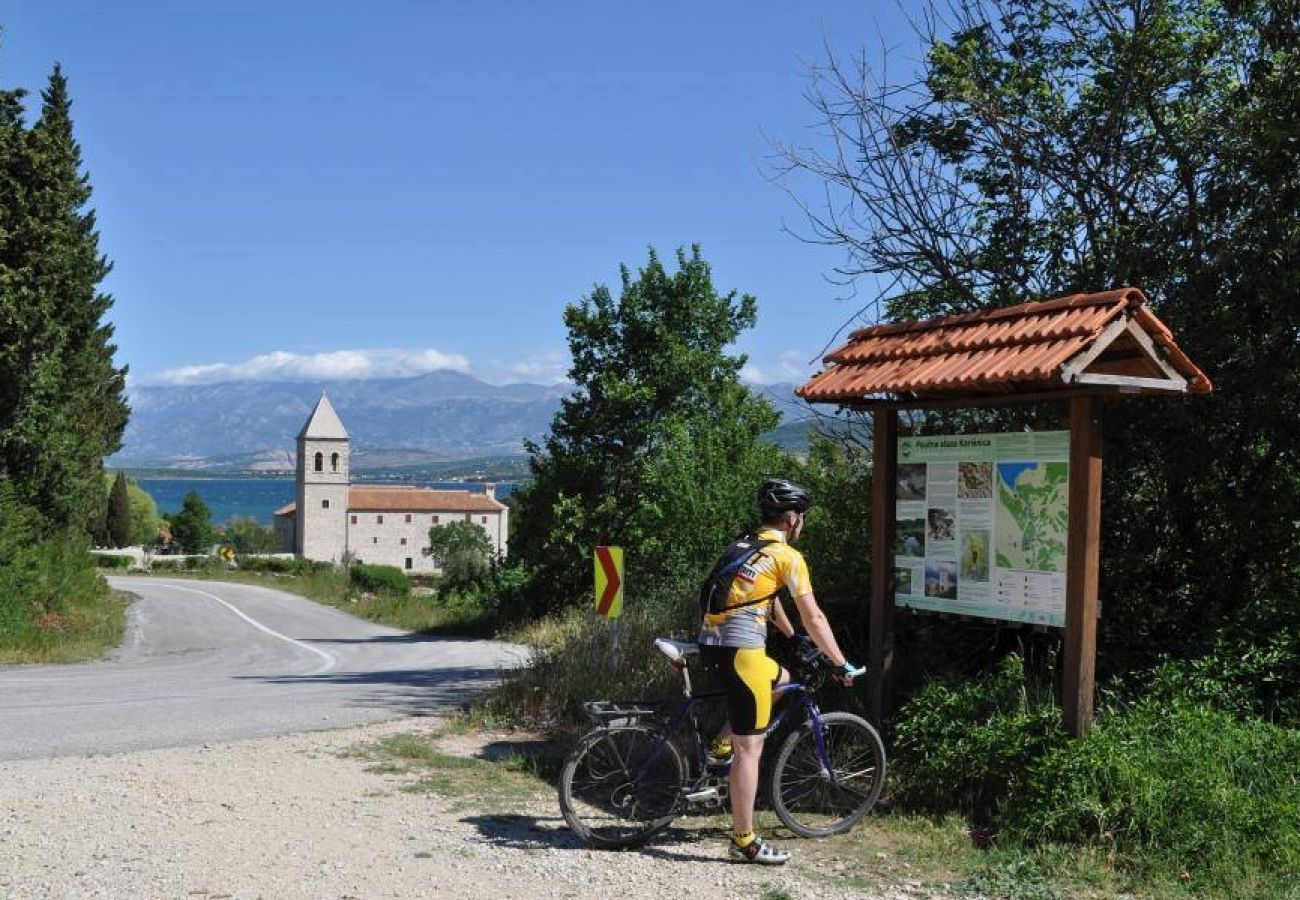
{"x":1032,"y":515}
{"x":981,"y":525}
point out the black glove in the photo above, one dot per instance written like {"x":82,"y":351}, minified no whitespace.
{"x":805,"y":647}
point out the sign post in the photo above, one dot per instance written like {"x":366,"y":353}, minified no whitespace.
{"x":609,"y":592}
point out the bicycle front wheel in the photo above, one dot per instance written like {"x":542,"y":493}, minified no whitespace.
{"x":816,"y":796}
{"x":621,"y":785}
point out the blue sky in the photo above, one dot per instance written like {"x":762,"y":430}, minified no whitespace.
{"x":335,"y":189}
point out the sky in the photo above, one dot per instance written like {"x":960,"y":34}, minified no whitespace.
{"x":334,"y":190}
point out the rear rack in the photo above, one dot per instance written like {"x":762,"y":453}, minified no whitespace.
{"x":621,"y":712}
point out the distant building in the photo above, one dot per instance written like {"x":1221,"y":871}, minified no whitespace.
{"x":388,"y":525}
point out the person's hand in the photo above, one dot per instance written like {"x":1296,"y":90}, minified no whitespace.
{"x":846,"y":673}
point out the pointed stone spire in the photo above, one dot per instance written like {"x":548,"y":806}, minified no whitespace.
{"x":323,"y":423}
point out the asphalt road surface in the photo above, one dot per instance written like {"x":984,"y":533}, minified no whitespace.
{"x":208,"y":661}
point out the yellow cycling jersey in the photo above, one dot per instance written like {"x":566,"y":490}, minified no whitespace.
{"x":743,"y":623}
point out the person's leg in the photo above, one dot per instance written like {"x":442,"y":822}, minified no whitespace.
{"x":757,"y":675}
{"x":747,"y":749}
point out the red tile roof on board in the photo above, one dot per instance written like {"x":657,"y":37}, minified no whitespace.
{"x":401,"y":498}
{"x":1014,"y":349}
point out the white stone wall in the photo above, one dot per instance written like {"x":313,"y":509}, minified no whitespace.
{"x":380,"y":543}
{"x":321,"y":516}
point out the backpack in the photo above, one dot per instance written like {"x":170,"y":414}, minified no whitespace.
{"x":717,"y":587}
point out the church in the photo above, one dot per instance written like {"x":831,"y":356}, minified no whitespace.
{"x":385,"y":525}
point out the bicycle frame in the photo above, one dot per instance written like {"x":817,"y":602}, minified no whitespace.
{"x":684,"y":711}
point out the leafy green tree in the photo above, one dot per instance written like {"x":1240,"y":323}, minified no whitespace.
{"x":119,"y":513}
{"x":1055,"y":146}
{"x":657,"y":450}
{"x":61,"y":396}
{"x":464,"y":553}
{"x":192,"y":526}
{"x":247,"y":536}
{"x":144,"y":515}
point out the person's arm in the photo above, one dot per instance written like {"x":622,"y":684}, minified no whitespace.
{"x":780,"y":619}
{"x":819,"y":628}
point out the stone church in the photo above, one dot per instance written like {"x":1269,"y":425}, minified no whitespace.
{"x":387,"y":524}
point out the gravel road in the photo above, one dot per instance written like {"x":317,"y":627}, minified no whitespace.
{"x":295,"y":817}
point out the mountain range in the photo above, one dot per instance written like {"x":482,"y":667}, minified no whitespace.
{"x":393,"y":422}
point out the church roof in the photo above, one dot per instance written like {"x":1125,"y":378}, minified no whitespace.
{"x":323,"y":423}
{"x":405,"y":498}
{"x":415,"y":499}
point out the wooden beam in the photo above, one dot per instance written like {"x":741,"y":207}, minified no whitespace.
{"x":1073,"y":367}
{"x":1134,"y":381}
{"x":880,"y":642}
{"x":1157,"y":356}
{"x":1054,"y":395}
{"x":1083,"y":552}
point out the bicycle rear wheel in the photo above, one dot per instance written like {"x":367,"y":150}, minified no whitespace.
{"x":813,"y":800}
{"x":621,"y":785}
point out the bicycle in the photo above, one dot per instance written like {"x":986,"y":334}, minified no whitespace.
{"x":628,"y":778}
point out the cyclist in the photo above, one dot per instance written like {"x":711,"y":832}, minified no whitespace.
{"x":733,"y":652}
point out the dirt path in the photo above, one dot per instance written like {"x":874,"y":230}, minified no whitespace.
{"x":296,"y":817}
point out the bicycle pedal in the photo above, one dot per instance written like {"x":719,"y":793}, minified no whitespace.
{"x":708,"y":793}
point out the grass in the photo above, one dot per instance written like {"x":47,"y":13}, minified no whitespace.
{"x":85,"y":629}
{"x":493,"y":787}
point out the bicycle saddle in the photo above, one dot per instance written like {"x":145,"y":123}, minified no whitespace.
{"x":676,"y":650}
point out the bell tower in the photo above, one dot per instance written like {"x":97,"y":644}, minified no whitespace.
{"x":320,"y":530}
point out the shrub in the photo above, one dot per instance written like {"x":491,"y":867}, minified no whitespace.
{"x":275,"y":564}
{"x":380,"y":579}
{"x":166,"y":564}
{"x":1244,"y":681}
{"x":1172,"y":785}
{"x":968,"y":746}
{"x":108,"y":561}
{"x":573,"y":661}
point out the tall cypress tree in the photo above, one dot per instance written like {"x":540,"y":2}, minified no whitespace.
{"x":66,"y":409}
{"x":119,"y":513}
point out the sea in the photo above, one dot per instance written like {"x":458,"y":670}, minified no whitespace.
{"x":259,"y":498}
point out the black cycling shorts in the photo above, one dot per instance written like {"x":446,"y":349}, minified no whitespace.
{"x":748,"y":675}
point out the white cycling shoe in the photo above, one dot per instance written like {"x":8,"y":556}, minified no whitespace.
{"x":758,"y":851}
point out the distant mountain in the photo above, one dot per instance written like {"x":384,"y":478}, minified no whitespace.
{"x":254,"y":424}
{"x":396,"y":424}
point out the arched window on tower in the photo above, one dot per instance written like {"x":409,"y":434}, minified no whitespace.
{"x":334,"y":462}
{"x":320,"y":461}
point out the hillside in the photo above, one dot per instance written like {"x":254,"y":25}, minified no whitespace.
{"x":414,"y":425}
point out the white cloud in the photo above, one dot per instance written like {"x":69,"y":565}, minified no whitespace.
{"x":791,"y":365}
{"x":334,"y":365}
{"x":546,"y":367}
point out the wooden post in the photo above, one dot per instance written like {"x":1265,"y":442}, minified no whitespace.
{"x":1081,"y":567}
{"x":884,"y":478}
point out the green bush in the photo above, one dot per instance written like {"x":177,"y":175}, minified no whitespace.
{"x":283,"y":565}
{"x":106,"y":561}
{"x":1172,"y":785}
{"x":54,"y":605}
{"x":166,"y":564}
{"x":1244,"y":681}
{"x":968,"y":746}
{"x":573,"y":661}
{"x":375,"y":579}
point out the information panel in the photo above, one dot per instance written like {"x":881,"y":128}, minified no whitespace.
{"x":982,"y":524}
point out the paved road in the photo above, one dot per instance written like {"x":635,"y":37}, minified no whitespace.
{"x":208,"y":661}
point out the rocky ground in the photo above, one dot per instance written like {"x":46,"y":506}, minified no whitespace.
{"x":303,"y":816}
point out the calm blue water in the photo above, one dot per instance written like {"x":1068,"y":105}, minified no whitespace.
{"x":256,"y":498}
